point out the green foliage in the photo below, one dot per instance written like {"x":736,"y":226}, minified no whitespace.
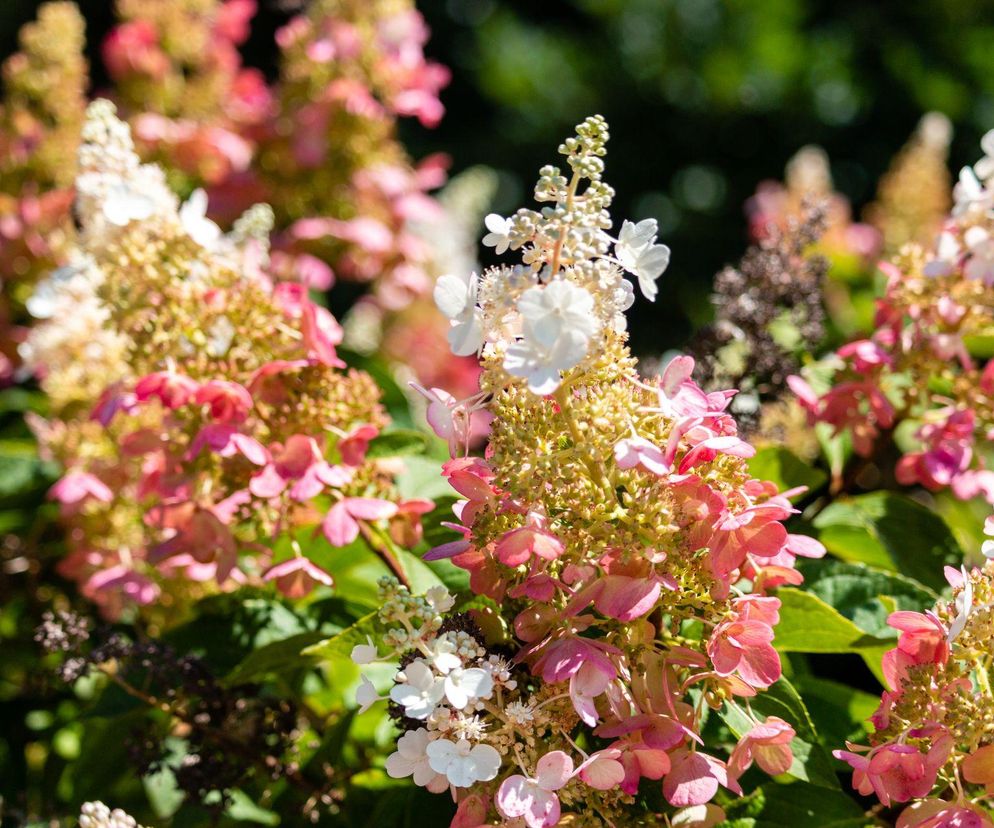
{"x":777,"y":464}
{"x":789,"y":806}
{"x":890,"y":531}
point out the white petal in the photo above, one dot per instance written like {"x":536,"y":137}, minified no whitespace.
{"x":366,"y":695}
{"x":466,"y":338}
{"x":452,"y":296}
{"x":486,"y":762}
{"x":496,"y":223}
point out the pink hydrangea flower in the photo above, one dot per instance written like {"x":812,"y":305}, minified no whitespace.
{"x":297,"y":577}
{"x":534,"y":798}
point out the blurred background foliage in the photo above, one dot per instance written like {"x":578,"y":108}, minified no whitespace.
{"x":706,"y":98}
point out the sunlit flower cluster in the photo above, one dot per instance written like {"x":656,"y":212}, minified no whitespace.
{"x":201,"y":410}
{"x":933,"y":744}
{"x":925,"y":364}
{"x":618,"y":544}
{"x":319,"y":143}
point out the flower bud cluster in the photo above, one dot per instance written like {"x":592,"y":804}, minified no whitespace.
{"x":213,"y":416}
{"x":98,"y":815}
{"x":933,"y":744}
{"x":921,"y":365}
{"x":614,"y":527}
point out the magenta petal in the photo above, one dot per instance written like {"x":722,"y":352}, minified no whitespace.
{"x":446,"y":550}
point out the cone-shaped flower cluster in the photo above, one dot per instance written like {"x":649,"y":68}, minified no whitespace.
{"x":926,"y":361}
{"x":201,"y":410}
{"x":319,"y":143}
{"x":619,"y":547}
{"x":933,"y":744}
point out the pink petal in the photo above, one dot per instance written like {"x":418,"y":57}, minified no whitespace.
{"x":370,"y":508}
{"x":339,"y":527}
{"x":554,"y":770}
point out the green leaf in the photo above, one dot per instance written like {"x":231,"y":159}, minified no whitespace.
{"x":863,"y":595}
{"x":401,"y":442}
{"x":788,"y":471}
{"x":243,"y":809}
{"x":839,"y":712}
{"x":797,"y":805}
{"x":21,"y":470}
{"x":422,"y":477}
{"x":809,"y":625}
{"x":228,"y":628}
{"x":811,"y":761}
{"x":892,"y":532}
{"x":282,"y":656}
{"x":342,"y":643}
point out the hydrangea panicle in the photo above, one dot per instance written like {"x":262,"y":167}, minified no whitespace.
{"x":616,"y":527}
{"x":221,"y":420}
{"x":933,"y":738}
{"x":919,"y":366}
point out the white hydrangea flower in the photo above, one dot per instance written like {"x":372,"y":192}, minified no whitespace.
{"x":463,"y":763}
{"x":456,"y":299}
{"x":985,"y":166}
{"x":463,"y":686}
{"x":98,"y":815}
{"x":638,"y":253}
{"x":499,"y":236}
{"x":542,"y":366}
{"x":365,"y":653}
{"x":980,"y":265}
{"x":443,"y":655}
{"x":440,"y":598}
{"x":419,"y":692}
{"x":552,"y":310}
{"x":947,"y":249}
{"x":987,"y":547}
{"x":124,"y":203}
{"x":193,"y":217}
{"x":366,"y":695}
{"x":411,"y":759}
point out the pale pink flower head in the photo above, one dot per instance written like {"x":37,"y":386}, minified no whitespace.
{"x":603,"y":770}
{"x":341,"y":524}
{"x":520,"y":545}
{"x":411,"y":759}
{"x":297,"y":577}
{"x":694,"y":778}
{"x":637,"y":451}
{"x":937,"y":813}
{"x":745,"y":647}
{"x":535,"y":798}
{"x":76,"y":486}
{"x":978,"y":768}
{"x":768,"y":745}
{"x":584,"y":687}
